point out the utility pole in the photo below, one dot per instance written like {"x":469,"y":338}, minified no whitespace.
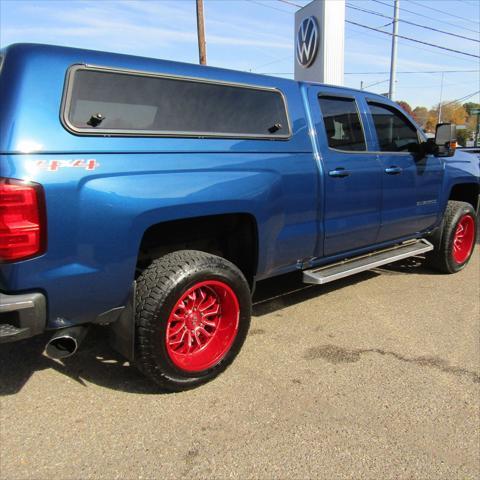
{"x":439,"y":119}
{"x":477,"y":130}
{"x":393,"y":63}
{"x":202,"y":48}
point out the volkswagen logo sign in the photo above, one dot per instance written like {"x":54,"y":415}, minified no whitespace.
{"x":307,"y":42}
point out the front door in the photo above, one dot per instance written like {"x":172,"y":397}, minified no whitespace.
{"x":410,"y":185}
{"x":351,"y":178}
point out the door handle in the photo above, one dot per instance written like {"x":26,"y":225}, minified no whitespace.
{"x":393,"y":170}
{"x":339,"y":172}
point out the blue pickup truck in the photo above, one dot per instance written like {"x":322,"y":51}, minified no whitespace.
{"x":150,"y":196}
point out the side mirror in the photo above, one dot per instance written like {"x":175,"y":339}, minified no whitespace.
{"x":446,"y":139}
{"x":421,"y":150}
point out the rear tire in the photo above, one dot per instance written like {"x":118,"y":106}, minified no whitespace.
{"x":454,"y":243}
{"x":192,"y":317}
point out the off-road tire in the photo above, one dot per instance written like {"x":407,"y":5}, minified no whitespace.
{"x":159,"y":288}
{"x":442,"y":257}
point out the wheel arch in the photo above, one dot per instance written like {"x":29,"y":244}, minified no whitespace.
{"x":466,"y":192}
{"x":233,"y":236}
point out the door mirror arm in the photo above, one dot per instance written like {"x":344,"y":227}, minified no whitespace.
{"x":421,"y":150}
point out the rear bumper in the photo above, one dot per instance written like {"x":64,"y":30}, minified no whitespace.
{"x":21,"y":316}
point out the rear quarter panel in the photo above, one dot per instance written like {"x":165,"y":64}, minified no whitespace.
{"x":96,"y":217}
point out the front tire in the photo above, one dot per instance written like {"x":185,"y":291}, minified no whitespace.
{"x":192,"y":317}
{"x":454,"y":245}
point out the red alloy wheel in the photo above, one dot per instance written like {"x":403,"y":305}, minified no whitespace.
{"x":463,"y":239}
{"x":202,"y":326}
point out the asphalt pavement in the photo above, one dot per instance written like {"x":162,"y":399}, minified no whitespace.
{"x":376,"y":376}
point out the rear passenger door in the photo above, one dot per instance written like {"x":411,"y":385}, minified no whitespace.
{"x":351,"y":204}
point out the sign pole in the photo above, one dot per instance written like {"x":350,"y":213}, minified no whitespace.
{"x":477,"y":131}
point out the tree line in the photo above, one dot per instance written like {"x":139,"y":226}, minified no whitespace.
{"x":454,"y":112}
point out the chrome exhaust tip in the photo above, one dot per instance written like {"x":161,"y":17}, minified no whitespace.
{"x":65,"y":343}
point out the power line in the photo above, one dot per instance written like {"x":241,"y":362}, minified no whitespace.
{"x":413,"y":39}
{"x":465,"y":19}
{"x":429,"y":18}
{"x":437,"y":85}
{"x":462,"y":99}
{"x":413,"y":71}
{"x":291,"y":3}
{"x":371,"y":12}
{"x":270,"y":6}
{"x":364,"y":87}
{"x":271,"y":62}
{"x":288,"y":2}
{"x":407,"y":44}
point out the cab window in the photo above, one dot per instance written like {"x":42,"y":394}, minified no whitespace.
{"x":395,"y":133}
{"x":342,"y":123}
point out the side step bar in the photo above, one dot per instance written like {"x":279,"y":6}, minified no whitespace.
{"x":355,"y":265}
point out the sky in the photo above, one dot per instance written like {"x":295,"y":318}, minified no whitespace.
{"x":257,"y":36}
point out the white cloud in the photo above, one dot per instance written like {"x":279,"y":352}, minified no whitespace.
{"x":112,"y":24}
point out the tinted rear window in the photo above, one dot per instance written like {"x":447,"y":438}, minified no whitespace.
{"x":342,"y":123}
{"x":145,"y":104}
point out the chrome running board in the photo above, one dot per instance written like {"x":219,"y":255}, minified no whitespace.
{"x":355,"y":265}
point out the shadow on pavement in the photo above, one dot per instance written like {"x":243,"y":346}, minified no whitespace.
{"x":284,"y":291}
{"x":412,"y":265}
{"x":96,"y":362}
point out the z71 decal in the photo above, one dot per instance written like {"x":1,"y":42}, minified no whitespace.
{"x":55,"y":165}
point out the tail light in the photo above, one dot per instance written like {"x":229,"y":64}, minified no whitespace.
{"x":22,"y":220}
